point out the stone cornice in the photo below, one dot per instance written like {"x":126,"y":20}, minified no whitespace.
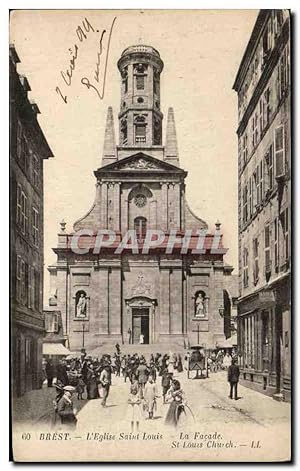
{"x":255,"y":35}
{"x":265,"y":76}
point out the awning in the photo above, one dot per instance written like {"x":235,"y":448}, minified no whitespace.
{"x":227,"y":343}
{"x":55,"y":349}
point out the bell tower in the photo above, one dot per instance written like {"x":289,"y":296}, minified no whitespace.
{"x":140,"y":118}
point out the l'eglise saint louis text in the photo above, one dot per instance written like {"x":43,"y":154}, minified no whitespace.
{"x":101,"y":437}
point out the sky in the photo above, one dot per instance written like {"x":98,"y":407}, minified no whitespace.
{"x":201,"y":50}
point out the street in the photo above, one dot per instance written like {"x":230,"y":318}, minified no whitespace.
{"x":252,"y":426}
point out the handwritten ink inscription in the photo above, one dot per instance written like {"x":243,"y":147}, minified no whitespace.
{"x":83,"y":33}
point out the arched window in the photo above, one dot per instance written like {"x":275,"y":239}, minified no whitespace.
{"x":140,"y":227}
{"x":140,"y":74}
{"x":201,"y":304}
{"x":125,"y":80}
{"x":81,"y":304}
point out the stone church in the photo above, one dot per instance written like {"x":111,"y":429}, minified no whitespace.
{"x":159,"y":297}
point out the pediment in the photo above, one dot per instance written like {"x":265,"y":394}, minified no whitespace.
{"x":140,"y":162}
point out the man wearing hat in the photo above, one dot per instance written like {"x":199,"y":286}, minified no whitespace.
{"x":166,"y":383}
{"x":142,"y":374}
{"x":105,"y":380}
{"x":65,"y":409}
{"x":233,"y":378}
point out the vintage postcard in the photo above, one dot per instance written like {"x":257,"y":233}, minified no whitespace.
{"x":150,"y":229}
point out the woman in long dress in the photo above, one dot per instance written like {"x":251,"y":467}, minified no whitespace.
{"x":134,"y":412}
{"x":171,"y":363}
{"x":175,"y":396}
{"x":91,"y":383}
{"x":179,"y":365}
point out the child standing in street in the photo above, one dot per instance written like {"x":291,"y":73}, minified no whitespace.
{"x":134,"y":407}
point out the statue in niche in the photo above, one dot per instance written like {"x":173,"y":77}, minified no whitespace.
{"x":81,"y":306}
{"x":200,"y":306}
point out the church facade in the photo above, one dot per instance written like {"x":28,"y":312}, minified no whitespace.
{"x":155,"y":296}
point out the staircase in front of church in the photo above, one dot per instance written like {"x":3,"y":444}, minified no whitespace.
{"x":141,"y":349}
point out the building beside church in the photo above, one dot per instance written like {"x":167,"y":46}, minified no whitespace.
{"x":264,"y":135}
{"x":28,"y":150}
{"x":163,"y":296}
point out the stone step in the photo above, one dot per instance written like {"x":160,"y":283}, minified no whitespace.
{"x":141,"y":349}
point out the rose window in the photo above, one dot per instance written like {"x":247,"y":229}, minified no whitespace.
{"x":140,"y":200}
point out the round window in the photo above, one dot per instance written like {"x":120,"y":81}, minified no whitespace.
{"x":140,"y":200}
{"x":140,"y":99}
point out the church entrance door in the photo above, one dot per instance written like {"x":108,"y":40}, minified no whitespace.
{"x":140,"y":325}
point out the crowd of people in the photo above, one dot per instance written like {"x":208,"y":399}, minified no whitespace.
{"x":91,"y":378}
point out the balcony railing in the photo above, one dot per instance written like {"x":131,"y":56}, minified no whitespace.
{"x":140,"y":139}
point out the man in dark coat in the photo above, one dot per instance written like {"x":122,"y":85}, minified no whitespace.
{"x":49,"y":372}
{"x":142,"y":374}
{"x":65,"y":409}
{"x":233,"y":378}
{"x":166,"y":383}
{"x":62,"y":374}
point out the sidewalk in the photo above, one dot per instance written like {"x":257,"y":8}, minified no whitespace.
{"x":37,"y":406}
{"x":34,"y":405}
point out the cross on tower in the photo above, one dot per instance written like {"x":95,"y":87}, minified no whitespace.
{"x":82,"y":331}
{"x":198,"y":332}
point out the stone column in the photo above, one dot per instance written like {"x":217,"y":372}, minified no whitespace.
{"x":176,"y":311}
{"x":153,"y":215}
{"x":115,"y":300}
{"x":110,"y":206}
{"x":104,"y":205}
{"x":117,"y":190}
{"x":164,"y":207}
{"x":103,"y":300}
{"x":177,"y":206}
{"x":182,"y":206}
{"x":164,"y":301}
{"x":171,"y":207}
{"x":124,"y":211}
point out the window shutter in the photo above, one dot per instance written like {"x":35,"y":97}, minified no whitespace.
{"x":266,"y":163}
{"x":250,"y":198}
{"x":279,"y":151}
{"x":257,"y":184}
{"x":254,"y":195}
{"x":261,"y":115}
{"x":267,"y":237}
